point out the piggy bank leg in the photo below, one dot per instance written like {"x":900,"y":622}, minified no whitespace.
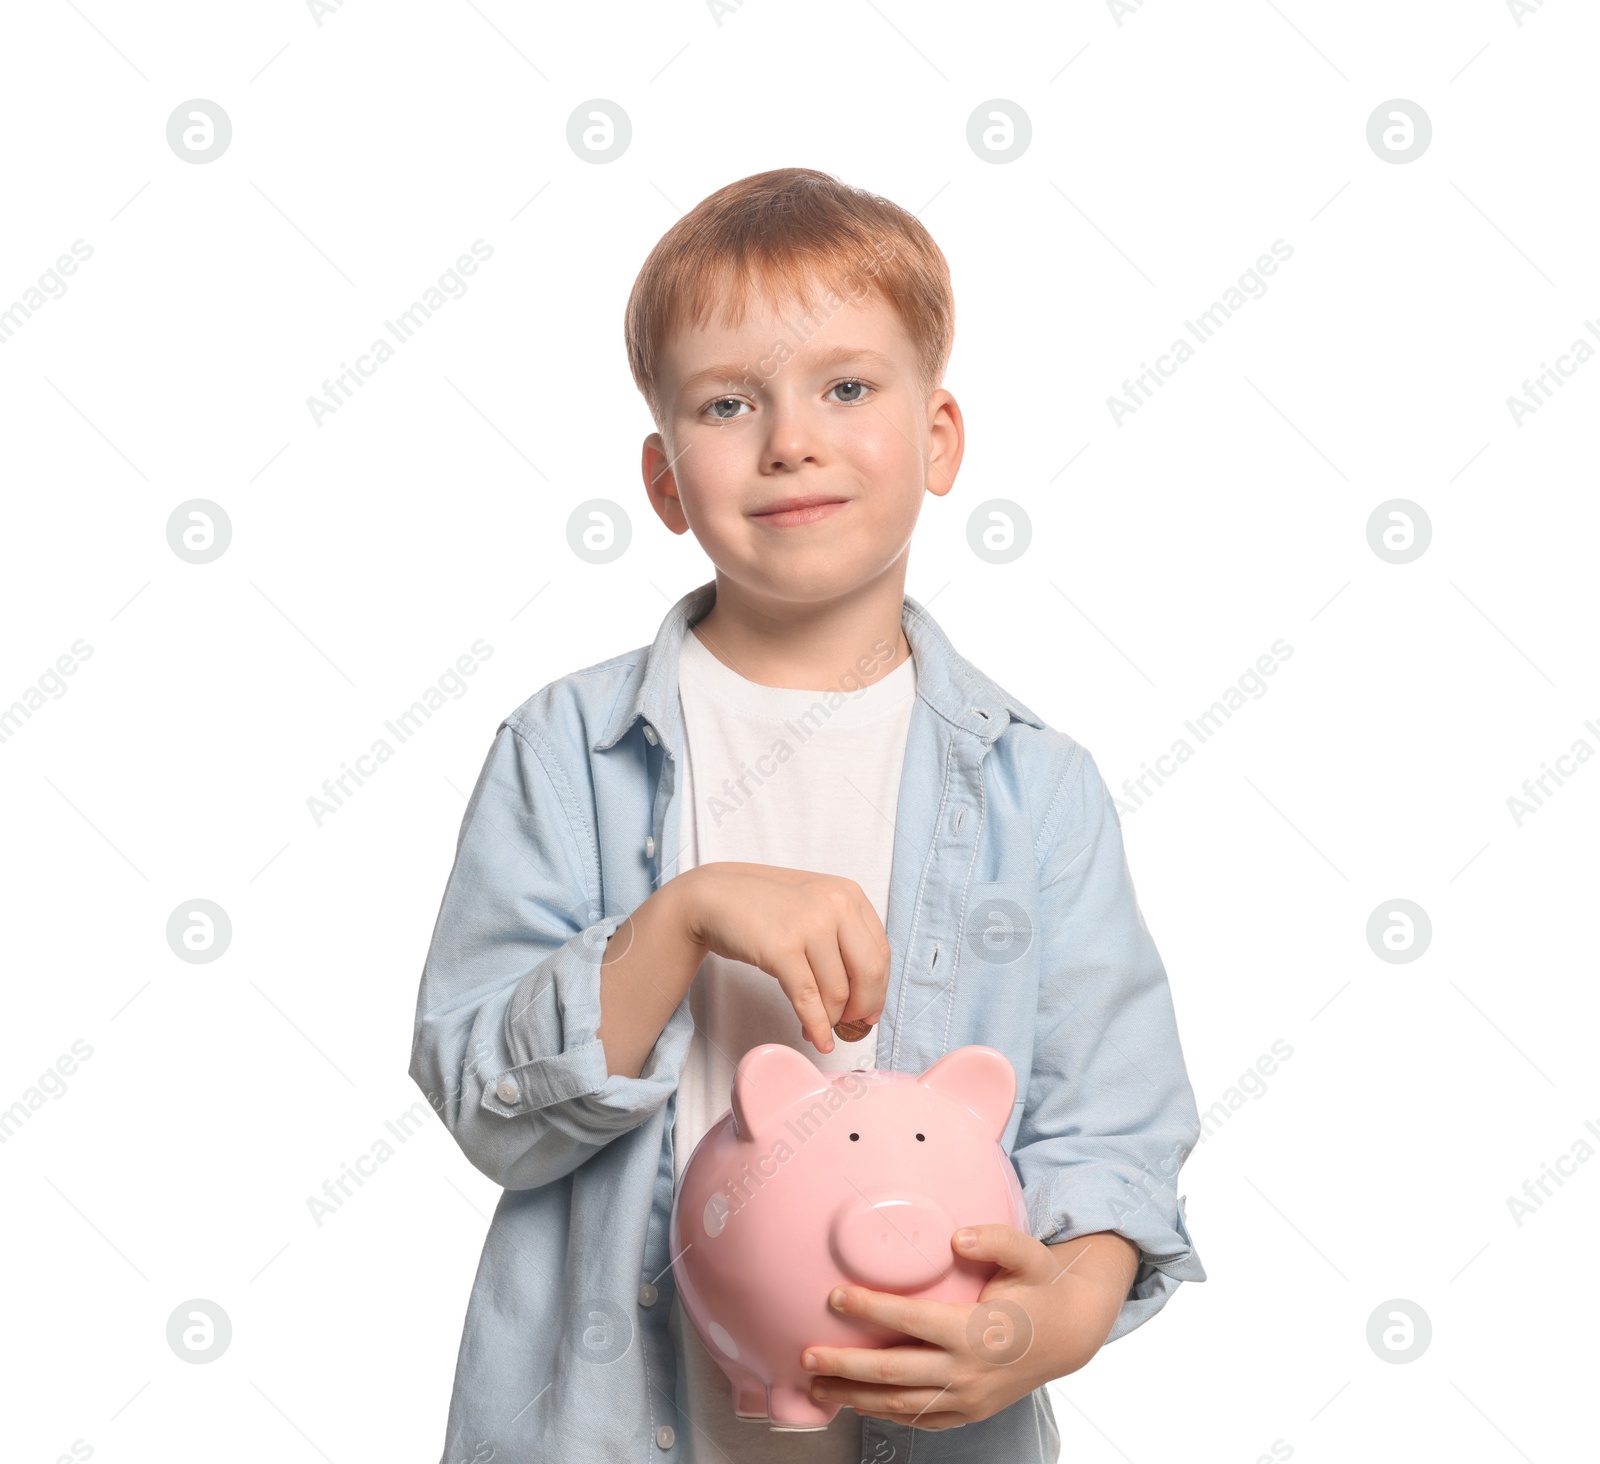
{"x":749,"y":1393}
{"x":794,"y":1409}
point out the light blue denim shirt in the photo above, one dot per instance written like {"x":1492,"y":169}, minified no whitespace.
{"x":1012,"y":922}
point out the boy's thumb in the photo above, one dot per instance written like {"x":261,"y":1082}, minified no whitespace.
{"x":1003,"y":1244}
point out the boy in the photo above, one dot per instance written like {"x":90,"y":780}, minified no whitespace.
{"x":799,"y":812}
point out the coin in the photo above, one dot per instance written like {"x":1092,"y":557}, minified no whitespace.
{"x":851,"y":1031}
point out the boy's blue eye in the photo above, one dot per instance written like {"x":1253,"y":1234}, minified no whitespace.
{"x":726,"y":409}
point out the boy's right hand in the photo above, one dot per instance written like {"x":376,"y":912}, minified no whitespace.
{"x":817,"y":935}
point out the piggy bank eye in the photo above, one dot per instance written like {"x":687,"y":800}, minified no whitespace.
{"x":854,"y":1137}
{"x":920,"y":1139}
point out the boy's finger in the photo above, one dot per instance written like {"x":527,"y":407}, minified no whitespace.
{"x":800,"y":986}
{"x":863,"y":943}
{"x":831,"y":978}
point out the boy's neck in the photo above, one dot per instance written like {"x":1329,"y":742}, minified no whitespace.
{"x":840,"y":644}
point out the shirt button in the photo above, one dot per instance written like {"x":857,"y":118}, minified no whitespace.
{"x":648,"y":1295}
{"x":507,"y":1091}
{"x":650,"y":734}
{"x":650,"y":846}
{"x":665,"y":1436}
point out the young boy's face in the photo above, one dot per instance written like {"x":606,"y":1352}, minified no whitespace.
{"x":753,"y":417}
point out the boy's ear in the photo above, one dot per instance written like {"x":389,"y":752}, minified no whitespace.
{"x":769,"y":1080}
{"x":980,"y":1078}
{"x":946,"y":442}
{"x":659,"y":483}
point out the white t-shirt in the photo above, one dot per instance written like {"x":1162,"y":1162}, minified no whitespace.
{"x":803,"y":780}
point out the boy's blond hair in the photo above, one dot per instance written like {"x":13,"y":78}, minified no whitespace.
{"x":781,"y":233}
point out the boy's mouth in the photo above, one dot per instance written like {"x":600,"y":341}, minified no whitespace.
{"x":803,"y":510}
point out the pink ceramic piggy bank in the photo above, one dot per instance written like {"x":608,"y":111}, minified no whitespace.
{"x":814,"y":1178}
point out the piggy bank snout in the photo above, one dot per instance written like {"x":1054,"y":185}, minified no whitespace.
{"x":893,"y":1245}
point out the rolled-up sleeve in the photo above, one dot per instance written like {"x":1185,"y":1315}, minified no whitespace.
{"x":506,"y":1042}
{"x":1109,"y":1114}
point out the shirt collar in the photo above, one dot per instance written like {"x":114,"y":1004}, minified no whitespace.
{"x":947,"y":681}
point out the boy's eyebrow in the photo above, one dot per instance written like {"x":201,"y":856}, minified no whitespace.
{"x":727,"y":374}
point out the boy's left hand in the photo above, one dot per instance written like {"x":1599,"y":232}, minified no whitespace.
{"x":1044,"y":1314}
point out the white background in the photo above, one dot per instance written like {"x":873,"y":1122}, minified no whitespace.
{"x":369,"y":552}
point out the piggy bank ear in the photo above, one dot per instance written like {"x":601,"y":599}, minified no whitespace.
{"x":769,"y":1080}
{"x":980,"y":1078}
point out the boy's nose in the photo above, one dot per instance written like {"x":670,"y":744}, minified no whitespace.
{"x":790,"y":439}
